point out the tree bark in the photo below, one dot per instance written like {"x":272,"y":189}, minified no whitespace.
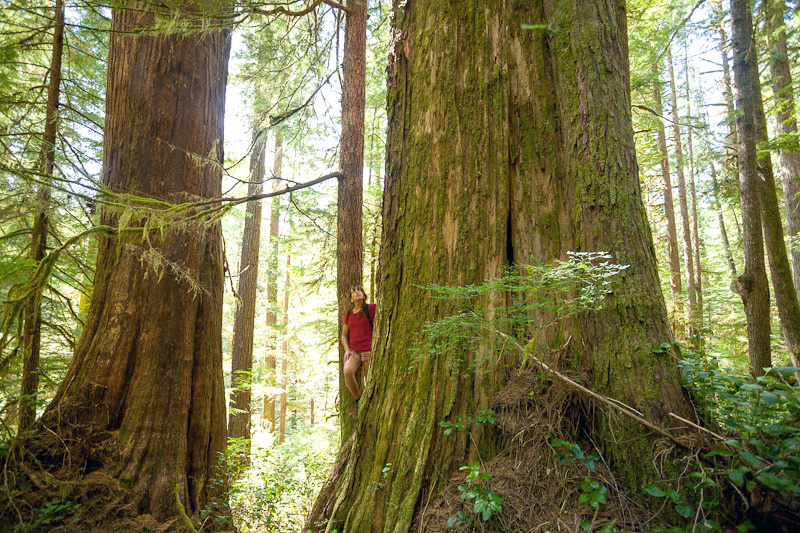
{"x":669,"y":204}
{"x":143,"y":399}
{"x":285,"y":354}
{"x":753,"y":281}
{"x":272,"y":288}
{"x":686,"y":222}
{"x":32,"y":317}
{"x":505,"y":145}
{"x":349,"y":243}
{"x":245,"y":313}
{"x":786,"y":125}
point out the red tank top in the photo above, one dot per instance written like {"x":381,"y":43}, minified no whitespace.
{"x":360,"y":332}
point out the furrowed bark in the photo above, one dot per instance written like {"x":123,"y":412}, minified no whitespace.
{"x":143,"y":399}
{"x":505,"y":145}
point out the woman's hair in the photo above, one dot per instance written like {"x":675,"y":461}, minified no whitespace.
{"x":359,"y":287}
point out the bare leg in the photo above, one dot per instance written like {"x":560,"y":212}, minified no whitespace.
{"x":365,"y":371}
{"x":350,"y":368}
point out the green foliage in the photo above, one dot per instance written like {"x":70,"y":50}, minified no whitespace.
{"x":485,"y":416}
{"x":485,"y":502}
{"x":54,"y":513}
{"x":541,"y":295}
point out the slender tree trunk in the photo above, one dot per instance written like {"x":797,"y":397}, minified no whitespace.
{"x":539,"y":161}
{"x":285,"y":354}
{"x":245,"y":313}
{"x":786,"y":125}
{"x":32,"y":317}
{"x":686,"y":222}
{"x":727,"y":92}
{"x":721,"y":219}
{"x":693,"y":191}
{"x":145,"y":386}
{"x":312,"y":411}
{"x":272,"y":288}
{"x":669,"y":205}
{"x":753,"y":281}
{"x":349,"y":244}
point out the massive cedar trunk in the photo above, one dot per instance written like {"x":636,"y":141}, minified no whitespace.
{"x":349,"y":243}
{"x":245,"y":314}
{"x":32,"y":317}
{"x":143,"y":399}
{"x":753,"y":281}
{"x":669,"y":204}
{"x":786,"y":125}
{"x":686,"y":223}
{"x":272,"y":287}
{"x":505,"y":145}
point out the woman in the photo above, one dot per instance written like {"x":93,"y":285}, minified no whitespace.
{"x":357,"y":338}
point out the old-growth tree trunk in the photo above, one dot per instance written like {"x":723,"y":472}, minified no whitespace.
{"x":272,"y":288}
{"x":753,"y":281}
{"x":32,"y":316}
{"x":786,"y":125}
{"x":245,"y":314}
{"x":686,"y":222}
{"x":349,"y":244}
{"x":285,"y":353}
{"x":143,"y":399}
{"x":669,"y":204}
{"x":505,"y":145}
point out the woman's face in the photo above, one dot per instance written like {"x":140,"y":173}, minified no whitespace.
{"x":356,"y":294}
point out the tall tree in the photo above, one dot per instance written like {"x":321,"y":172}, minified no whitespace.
{"x":669,"y":204}
{"x":538,"y":162}
{"x":349,"y":242}
{"x":145,"y":386}
{"x":686,"y":223}
{"x":786,"y":126}
{"x":721,"y":220}
{"x":698,"y":283}
{"x":32,"y":318}
{"x":752,"y":282}
{"x":285,"y":354}
{"x":272,"y":287}
{"x":245,"y":311}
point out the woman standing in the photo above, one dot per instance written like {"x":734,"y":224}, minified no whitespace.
{"x":357,"y":338}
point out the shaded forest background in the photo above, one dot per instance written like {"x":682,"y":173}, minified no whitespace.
{"x":283,"y":120}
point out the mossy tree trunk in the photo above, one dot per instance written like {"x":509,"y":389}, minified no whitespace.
{"x":349,"y":241}
{"x":505,"y":145}
{"x":786,"y":125}
{"x":143,"y":399}
{"x":750,"y":101}
{"x":245,"y":313}
{"x":752,"y":282}
{"x":32,"y":317}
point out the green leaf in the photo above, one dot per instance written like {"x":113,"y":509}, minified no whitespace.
{"x":683,"y":510}
{"x":453,"y":520}
{"x":774,"y":482}
{"x":674,"y":496}
{"x":736,"y":477}
{"x":750,"y":458}
{"x":652,"y":490}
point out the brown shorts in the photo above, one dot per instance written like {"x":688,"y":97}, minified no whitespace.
{"x":365,"y":356}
